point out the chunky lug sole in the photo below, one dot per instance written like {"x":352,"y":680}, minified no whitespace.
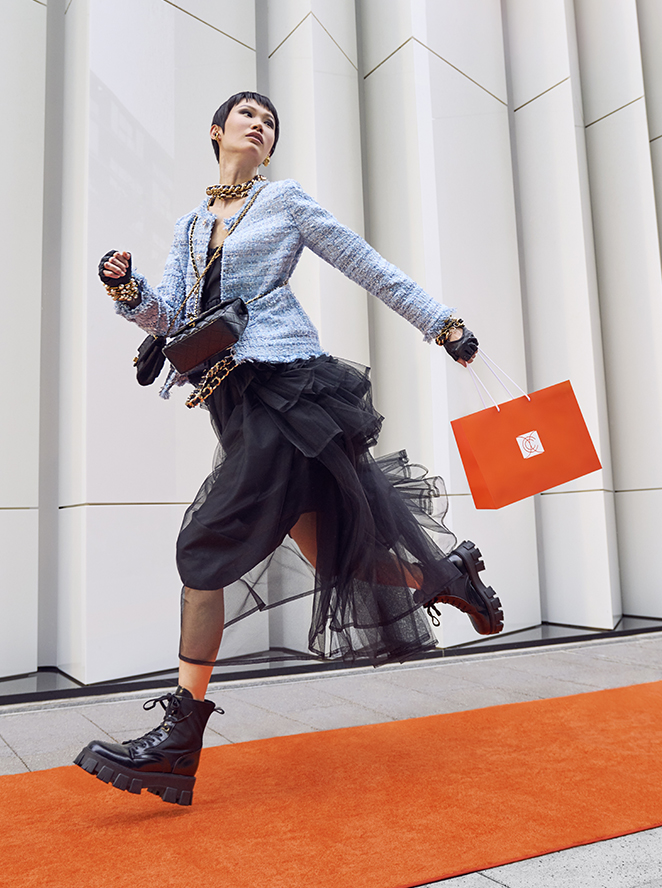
{"x":488,"y":623}
{"x":174,"y":788}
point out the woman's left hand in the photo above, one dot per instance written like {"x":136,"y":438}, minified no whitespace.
{"x":115,"y":268}
{"x":118,"y":265}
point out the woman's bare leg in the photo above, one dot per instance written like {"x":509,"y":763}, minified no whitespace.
{"x":304,"y":534}
{"x":203,"y":618}
{"x":194,"y":678}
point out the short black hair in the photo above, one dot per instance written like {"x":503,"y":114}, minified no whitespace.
{"x":222,"y":114}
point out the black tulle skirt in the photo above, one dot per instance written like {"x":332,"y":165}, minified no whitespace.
{"x":296,"y":438}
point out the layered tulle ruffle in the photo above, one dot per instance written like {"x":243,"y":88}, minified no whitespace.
{"x":295,"y":439}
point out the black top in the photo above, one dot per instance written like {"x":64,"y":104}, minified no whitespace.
{"x":210,"y":296}
{"x":211,"y":288}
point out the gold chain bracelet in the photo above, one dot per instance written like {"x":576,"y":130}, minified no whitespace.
{"x":211,"y":380}
{"x":128,"y":292}
{"x":450,"y":324}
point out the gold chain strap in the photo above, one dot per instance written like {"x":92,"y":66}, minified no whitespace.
{"x":211,"y":380}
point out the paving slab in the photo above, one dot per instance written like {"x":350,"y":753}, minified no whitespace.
{"x":60,"y":758}
{"x":647,"y":652}
{"x":284,"y":698}
{"x":121,"y":716}
{"x":517,"y":677}
{"x":50,"y":731}
{"x":581,"y":668}
{"x":243,"y":722}
{"x":437,"y":681}
{"x":626,"y":862}
{"x":214,"y":738}
{"x":344,"y":715}
{"x":11,"y":764}
{"x":472,"y":880}
{"x":383,"y":696}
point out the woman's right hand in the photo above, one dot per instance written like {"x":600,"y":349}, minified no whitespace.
{"x":117,"y":265}
{"x":462,"y":346}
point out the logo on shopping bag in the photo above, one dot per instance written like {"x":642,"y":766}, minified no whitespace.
{"x":530,"y":444}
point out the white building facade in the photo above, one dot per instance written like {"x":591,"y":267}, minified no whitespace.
{"x":507,"y":154}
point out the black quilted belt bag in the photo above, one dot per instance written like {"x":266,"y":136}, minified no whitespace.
{"x":211,"y":333}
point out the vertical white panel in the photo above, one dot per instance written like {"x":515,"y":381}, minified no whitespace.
{"x":139,"y":99}
{"x":466,"y":35}
{"x":560,"y":292}
{"x":650,"y":34}
{"x":73,"y":306}
{"x":72,"y":643}
{"x":386,"y":26}
{"x":608,"y":41}
{"x":313,"y":82}
{"x":22,"y":105}
{"x":452,"y":228}
{"x":150,"y":158}
{"x":629,"y":276}
{"x":579,"y":560}
{"x":538,"y":48}
{"x":236,"y":20}
{"x":403,"y":386}
{"x":132,"y":590}
{"x":22,"y":72}
{"x":18,"y":591}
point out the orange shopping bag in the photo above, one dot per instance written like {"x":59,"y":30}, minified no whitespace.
{"x":524,"y":446}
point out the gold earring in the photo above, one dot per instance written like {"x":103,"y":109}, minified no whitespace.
{"x":266,"y":161}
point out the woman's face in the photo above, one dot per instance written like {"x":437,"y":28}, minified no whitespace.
{"x":249,"y":128}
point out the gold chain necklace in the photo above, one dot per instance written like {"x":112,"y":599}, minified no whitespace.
{"x":232,"y":192}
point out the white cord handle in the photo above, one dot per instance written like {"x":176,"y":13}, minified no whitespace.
{"x":494,"y":369}
{"x":477,"y":380}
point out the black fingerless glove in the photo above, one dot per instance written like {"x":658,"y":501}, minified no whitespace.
{"x":111,"y":281}
{"x":462,"y":349}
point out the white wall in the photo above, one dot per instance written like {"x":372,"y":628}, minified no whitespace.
{"x":22,"y":65}
{"x":505,"y":153}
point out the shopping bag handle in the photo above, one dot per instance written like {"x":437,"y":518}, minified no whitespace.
{"x":494,"y":369}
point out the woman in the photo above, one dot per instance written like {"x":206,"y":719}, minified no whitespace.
{"x":294,"y":425}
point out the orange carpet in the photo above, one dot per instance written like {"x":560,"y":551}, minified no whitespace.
{"x":383,"y":806}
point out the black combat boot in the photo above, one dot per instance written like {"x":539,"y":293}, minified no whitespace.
{"x":466,"y":593}
{"x":164,"y":760}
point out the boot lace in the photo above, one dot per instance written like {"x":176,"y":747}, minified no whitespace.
{"x":433,"y":613}
{"x":170,"y":703}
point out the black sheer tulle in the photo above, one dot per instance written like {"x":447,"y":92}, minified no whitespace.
{"x":295,"y":438}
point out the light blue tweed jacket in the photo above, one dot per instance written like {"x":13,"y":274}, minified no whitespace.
{"x":259,"y":257}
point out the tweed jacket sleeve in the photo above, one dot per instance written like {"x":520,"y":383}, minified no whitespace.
{"x":349,"y":253}
{"x":159,"y":306}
